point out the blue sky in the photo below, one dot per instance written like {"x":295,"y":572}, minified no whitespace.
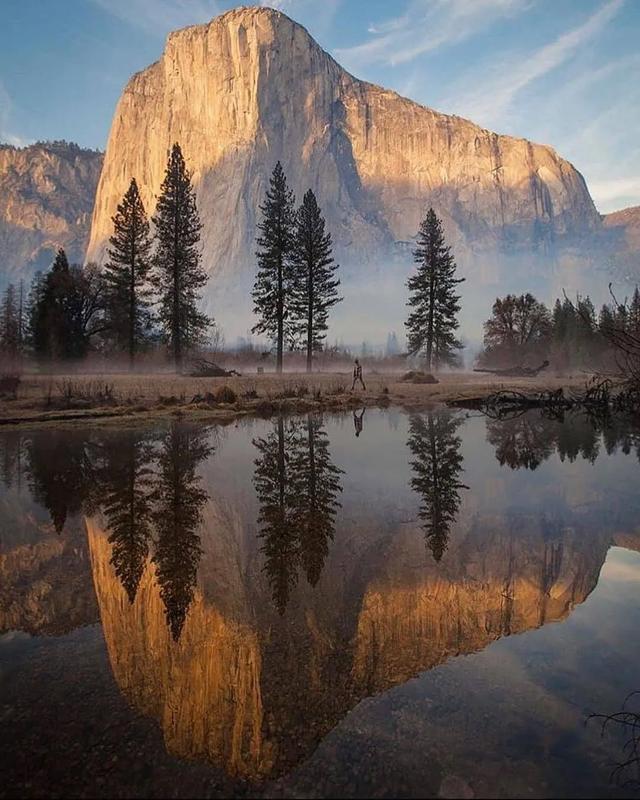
{"x":563,"y":72}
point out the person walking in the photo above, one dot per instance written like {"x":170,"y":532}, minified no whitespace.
{"x":357,"y":375}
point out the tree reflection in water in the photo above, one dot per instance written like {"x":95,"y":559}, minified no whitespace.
{"x":525,"y":441}
{"x":178,"y":499}
{"x":297,"y":486}
{"x":529,"y":439}
{"x":11,"y":457}
{"x":316,"y":486}
{"x":437,"y":467}
{"x":128,"y":482}
{"x":145,"y":485}
{"x":62,"y":471}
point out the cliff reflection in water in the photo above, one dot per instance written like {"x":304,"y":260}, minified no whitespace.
{"x":255,"y":583}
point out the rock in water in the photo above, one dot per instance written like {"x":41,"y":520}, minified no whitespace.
{"x":252,"y":87}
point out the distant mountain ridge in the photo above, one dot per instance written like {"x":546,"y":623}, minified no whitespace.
{"x":47,"y":191}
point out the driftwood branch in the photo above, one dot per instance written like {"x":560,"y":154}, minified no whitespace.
{"x":517,"y":371}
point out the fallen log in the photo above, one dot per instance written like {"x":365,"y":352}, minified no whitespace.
{"x":517,"y":371}
{"x":209,"y":369}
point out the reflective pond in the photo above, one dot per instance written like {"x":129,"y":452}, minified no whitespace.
{"x":381,"y":604}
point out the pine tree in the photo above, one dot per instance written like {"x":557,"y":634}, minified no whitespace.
{"x":634,"y":313}
{"x":34,"y":299}
{"x":178,"y":275}
{"x":126,"y":274}
{"x":392,"y":347}
{"x":432,"y":323}
{"x":606,"y":320}
{"x":10,"y":324}
{"x":315,"y":288}
{"x":50,"y":315}
{"x":272,"y":289}
{"x":66,"y":310}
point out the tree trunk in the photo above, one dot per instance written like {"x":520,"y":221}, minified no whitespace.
{"x":310,"y":322}
{"x":430,"y":323}
{"x":175,"y":323}
{"x":280,"y":342}
{"x":132,"y":306}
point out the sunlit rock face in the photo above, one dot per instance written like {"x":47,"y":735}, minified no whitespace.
{"x":252,"y":87}
{"x":624,"y":230}
{"x":46,"y":199}
{"x":254,"y":691}
{"x":45,"y":577}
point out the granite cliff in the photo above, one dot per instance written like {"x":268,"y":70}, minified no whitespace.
{"x":46,"y":199}
{"x":252,"y":87}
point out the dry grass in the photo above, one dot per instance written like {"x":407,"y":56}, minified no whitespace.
{"x":139,"y":393}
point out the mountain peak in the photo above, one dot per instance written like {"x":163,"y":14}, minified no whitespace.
{"x":246,"y":17}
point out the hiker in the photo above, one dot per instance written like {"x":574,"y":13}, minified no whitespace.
{"x":357,"y":421}
{"x":357,"y":375}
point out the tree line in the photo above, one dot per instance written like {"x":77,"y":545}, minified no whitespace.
{"x":571,"y":334}
{"x":150,"y":289}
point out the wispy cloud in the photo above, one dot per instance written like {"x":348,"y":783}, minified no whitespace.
{"x":425,"y":26}
{"x":491,"y":99}
{"x":159,"y":17}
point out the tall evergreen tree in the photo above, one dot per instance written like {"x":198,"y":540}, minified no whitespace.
{"x":67,"y":310}
{"x":50,"y":315}
{"x":126,"y":274}
{"x":315,"y":287}
{"x":436,"y":469}
{"x":178,"y":275}
{"x":634,"y":313}
{"x":433,"y":321}
{"x":606,"y":320}
{"x":274,"y":278}
{"x":10,"y":324}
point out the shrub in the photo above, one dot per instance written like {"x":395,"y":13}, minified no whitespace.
{"x":225,"y":394}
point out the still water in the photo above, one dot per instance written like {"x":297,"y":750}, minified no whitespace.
{"x":374,"y":604}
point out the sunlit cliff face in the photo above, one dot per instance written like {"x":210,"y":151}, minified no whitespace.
{"x":251,"y":88}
